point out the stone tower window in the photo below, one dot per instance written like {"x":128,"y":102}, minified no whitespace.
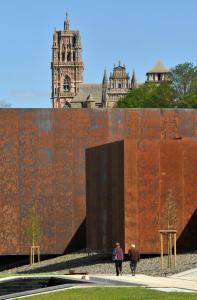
{"x":69,"y":56}
{"x":66,"y":84}
{"x":63,"y":56}
{"x":119,"y":86}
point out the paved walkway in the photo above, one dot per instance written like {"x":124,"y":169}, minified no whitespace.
{"x":184,"y":281}
{"x":189,"y":275}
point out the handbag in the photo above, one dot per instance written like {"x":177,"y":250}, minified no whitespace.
{"x":114,"y":257}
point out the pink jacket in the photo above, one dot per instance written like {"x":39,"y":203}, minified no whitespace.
{"x":118,"y":253}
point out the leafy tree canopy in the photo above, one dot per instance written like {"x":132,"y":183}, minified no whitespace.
{"x":180,"y":92}
{"x":149,"y":96}
{"x":190,"y":100}
{"x":183,"y":76}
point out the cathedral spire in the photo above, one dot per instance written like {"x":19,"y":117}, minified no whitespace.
{"x":133,"y":80}
{"x":105,"y":79}
{"x":67,"y":23}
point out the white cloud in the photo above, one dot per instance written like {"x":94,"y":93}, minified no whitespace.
{"x":4,"y":104}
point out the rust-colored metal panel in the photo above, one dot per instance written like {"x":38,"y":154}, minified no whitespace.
{"x":162,"y":166}
{"x":148,"y":194}
{"x":42,"y":164}
{"x":131,"y":202}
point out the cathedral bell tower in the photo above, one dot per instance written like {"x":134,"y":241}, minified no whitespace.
{"x":67,"y":66}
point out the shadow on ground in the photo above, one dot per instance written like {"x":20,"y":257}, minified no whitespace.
{"x":68,"y":264}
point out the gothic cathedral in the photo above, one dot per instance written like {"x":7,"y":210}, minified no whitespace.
{"x":68,"y":88}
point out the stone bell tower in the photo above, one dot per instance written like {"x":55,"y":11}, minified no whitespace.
{"x":67,"y":66}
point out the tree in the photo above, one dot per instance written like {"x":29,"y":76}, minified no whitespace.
{"x":169,"y":212}
{"x":33,"y":231}
{"x":33,"y":228}
{"x":183,"y":76}
{"x":149,"y":95}
{"x":190,"y":100}
{"x":169,"y":222}
{"x":181,"y":92}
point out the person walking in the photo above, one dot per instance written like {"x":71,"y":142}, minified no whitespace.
{"x":118,"y":257}
{"x":134,"y":257}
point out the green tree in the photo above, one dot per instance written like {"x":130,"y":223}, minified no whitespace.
{"x":181,"y":92}
{"x":190,"y":100}
{"x":183,"y":76}
{"x":162,"y":96}
{"x":149,"y":95}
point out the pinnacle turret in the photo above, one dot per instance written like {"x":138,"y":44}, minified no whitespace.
{"x":67,"y":23}
{"x":55,"y":39}
{"x":133,"y":80}
{"x":105,"y":79}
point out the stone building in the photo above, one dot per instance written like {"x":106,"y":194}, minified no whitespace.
{"x":68,"y":88}
{"x":67,"y":66}
{"x":158,"y":73}
{"x":118,"y":85}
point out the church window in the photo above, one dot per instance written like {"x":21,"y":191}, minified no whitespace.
{"x":119,"y":85}
{"x":66,"y":84}
{"x":69,"y":56}
{"x":63,"y":56}
{"x":73,"y":56}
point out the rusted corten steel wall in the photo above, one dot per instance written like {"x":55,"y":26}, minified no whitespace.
{"x":42,"y":164}
{"x":159,"y":175}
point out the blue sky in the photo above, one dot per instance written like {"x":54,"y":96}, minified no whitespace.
{"x":135,"y":32}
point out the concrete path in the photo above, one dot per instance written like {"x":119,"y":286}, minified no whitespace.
{"x":186,"y":281}
{"x":189,"y":275}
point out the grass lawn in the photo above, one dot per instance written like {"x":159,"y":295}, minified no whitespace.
{"x":113,"y":293}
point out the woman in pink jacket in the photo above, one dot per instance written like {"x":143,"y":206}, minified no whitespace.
{"x":118,"y":258}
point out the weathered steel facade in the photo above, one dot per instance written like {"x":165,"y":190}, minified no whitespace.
{"x":44,"y":157}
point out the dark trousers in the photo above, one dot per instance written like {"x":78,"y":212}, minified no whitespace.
{"x":118,"y":264}
{"x":133,"y":265}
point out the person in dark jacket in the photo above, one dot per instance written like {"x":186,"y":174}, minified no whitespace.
{"x":118,"y":257}
{"x":134,"y":257}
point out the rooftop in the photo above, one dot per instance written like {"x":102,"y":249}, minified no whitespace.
{"x":158,"y":68}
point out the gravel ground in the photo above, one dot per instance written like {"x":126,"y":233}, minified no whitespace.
{"x":97,"y":264}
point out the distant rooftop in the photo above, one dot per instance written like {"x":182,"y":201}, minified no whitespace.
{"x":158,"y":68}
{"x":85,"y":90}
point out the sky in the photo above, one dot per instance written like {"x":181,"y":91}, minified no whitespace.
{"x":137,"y":33}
